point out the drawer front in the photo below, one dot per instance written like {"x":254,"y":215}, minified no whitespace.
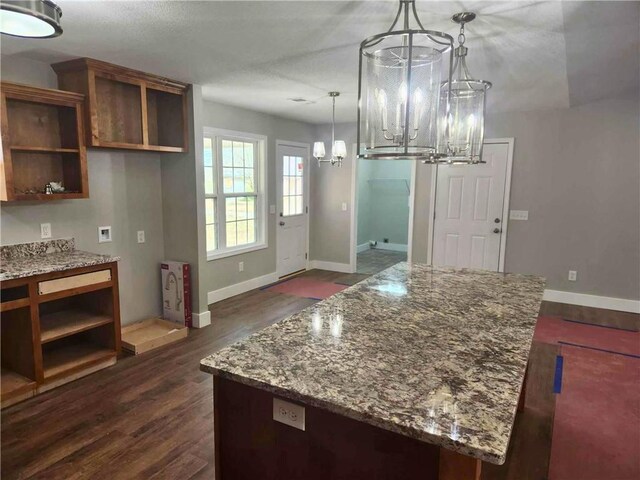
{"x":75,"y":281}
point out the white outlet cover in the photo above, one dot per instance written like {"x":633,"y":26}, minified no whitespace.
{"x":573,"y":275}
{"x":45,"y":230}
{"x":288,"y":413}
{"x":104,"y":234}
{"x":241,"y":266}
{"x":519,"y":215}
{"x":344,"y":206}
{"x":141,"y":238}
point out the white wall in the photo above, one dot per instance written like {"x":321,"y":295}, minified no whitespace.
{"x":125,"y":192}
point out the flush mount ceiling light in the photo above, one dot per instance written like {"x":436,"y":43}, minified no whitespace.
{"x":399,"y":90}
{"x":467,"y":98}
{"x":30,"y":18}
{"x":338,"y":147}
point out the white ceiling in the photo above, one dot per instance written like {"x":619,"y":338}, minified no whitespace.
{"x":259,"y":55}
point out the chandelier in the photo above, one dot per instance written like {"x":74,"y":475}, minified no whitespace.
{"x":464,"y":116}
{"x":338,"y":147}
{"x":400,"y":88}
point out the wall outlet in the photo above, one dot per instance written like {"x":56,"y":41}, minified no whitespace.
{"x":140,"y":236}
{"x":241,"y":266}
{"x":45,"y":230}
{"x":104,"y":234}
{"x":385,"y":240}
{"x":573,"y":275}
{"x":344,"y":206}
{"x":288,"y":413}
{"x":519,"y":215}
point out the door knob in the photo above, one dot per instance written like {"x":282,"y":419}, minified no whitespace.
{"x":282,"y":224}
{"x":496,"y":230}
{"x":497,"y":220}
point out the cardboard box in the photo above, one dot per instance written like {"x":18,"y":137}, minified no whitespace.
{"x":176,"y":292}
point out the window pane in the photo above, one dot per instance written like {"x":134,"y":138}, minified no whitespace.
{"x":242,"y":232}
{"x":299,"y":204}
{"x":238,"y":154}
{"x":227,"y":153}
{"x":299,"y":166}
{"x":231,"y":234}
{"x":285,"y":165}
{"x":285,"y":186}
{"x":249,"y":184}
{"x":210,"y":210}
{"x":292,"y":185}
{"x":209,"y":185}
{"x":298,"y":185}
{"x":227,"y":175}
{"x":230,"y":209}
{"x":248,"y":155}
{"x":208,"y":152}
{"x":292,"y":165}
{"x":251,"y":207}
{"x":251,"y":231}
{"x":211,"y":238}
{"x":285,"y":206}
{"x":238,"y":180}
{"x":241,"y":203}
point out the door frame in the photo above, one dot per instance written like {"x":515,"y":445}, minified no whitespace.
{"x":510,"y":141}
{"x":306,"y":183}
{"x":353,"y":254}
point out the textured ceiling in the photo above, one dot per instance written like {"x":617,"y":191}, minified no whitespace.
{"x":259,"y":55}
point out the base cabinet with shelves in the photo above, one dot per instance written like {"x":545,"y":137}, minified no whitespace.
{"x":52,"y":338}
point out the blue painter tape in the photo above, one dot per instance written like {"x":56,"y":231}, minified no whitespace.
{"x":601,"y":326}
{"x":598,"y":349}
{"x":557,"y":379}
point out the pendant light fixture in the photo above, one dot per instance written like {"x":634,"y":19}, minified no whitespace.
{"x":465,"y":116}
{"x":30,"y":18}
{"x":338,"y":147}
{"x":399,"y":90}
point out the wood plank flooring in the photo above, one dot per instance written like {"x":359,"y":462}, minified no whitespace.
{"x":151,"y":416}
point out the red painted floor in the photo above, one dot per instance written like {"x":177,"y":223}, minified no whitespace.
{"x":596,"y":433}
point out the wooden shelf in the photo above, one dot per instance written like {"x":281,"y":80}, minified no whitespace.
{"x":23,"y":148}
{"x":14,"y":304}
{"x":54,"y":326}
{"x":71,"y":358}
{"x":13,"y":384}
{"x":41,"y":197}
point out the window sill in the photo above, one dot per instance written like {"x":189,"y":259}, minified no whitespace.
{"x":235,"y":251}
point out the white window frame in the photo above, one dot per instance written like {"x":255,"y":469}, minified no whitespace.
{"x":261,"y":162}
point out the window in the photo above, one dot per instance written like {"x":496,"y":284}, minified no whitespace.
{"x":292,"y":178}
{"x":234,"y":174}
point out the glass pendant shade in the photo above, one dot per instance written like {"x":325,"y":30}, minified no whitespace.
{"x":339,"y":149}
{"x":318,"y":150}
{"x":30,"y":18}
{"x":401,"y":74}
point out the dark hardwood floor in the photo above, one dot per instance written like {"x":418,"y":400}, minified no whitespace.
{"x":151,"y":416}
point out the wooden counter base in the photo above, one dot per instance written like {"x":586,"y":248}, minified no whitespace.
{"x":250,"y":444}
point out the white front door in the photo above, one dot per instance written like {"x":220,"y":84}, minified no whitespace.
{"x":292,"y":172}
{"x":468,"y":212}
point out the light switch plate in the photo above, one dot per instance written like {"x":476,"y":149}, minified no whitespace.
{"x":573,"y":275}
{"x":141,"y":236}
{"x":519,"y":215}
{"x":104,"y":234}
{"x":288,"y":413}
{"x":344,"y":206}
{"x":45,"y":230}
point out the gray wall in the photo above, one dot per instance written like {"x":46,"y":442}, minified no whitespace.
{"x":219,"y":273}
{"x":577,"y":172}
{"x":125,"y":192}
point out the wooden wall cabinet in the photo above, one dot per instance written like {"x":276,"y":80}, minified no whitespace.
{"x":128,"y":109}
{"x":42,"y":142}
{"x":55,"y":329}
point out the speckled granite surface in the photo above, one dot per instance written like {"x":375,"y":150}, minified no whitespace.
{"x":434,"y":354}
{"x":35,"y":258}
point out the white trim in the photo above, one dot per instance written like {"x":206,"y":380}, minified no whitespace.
{"x":393,"y":247}
{"x":412,"y":212}
{"x":432,"y":213}
{"x":200,"y":320}
{"x":596,"y":301}
{"x":363,"y":247}
{"x":510,"y":141}
{"x":230,"y":252}
{"x":307,"y":193}
{"x":242,"y":287}
{"x":353,"y":227}
{"x":331,"y":266}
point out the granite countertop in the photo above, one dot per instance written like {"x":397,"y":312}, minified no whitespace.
{"x":36,"y":258}
{"x":434,"y":354}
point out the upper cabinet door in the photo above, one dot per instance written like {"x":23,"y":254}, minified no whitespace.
{"x":127,"y":109}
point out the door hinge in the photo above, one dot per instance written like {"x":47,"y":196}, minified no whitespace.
{"x":305,"y":256}
{"x":306,"y":209}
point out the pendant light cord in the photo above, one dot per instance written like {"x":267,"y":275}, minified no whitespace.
{"x":333,"y":127}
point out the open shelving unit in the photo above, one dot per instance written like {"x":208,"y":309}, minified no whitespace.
{"x":57,"y":327}
{"x":43,"y":142}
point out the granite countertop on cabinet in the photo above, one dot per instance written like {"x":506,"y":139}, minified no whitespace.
{"x":37,"y":258}
{"x":434,"y":354}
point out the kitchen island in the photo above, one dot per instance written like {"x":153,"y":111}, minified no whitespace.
{"x":414,"y":373}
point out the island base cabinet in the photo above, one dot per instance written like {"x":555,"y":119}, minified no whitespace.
{"x":250,"y":444}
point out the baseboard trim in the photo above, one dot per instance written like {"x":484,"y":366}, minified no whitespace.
{"x":200,"y":320}
{"x":363,"y":247}
{"x":331,"y":266}
{"x":242,"y":287}
{"x":394,"y":247}
{"x":595,"y":301}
